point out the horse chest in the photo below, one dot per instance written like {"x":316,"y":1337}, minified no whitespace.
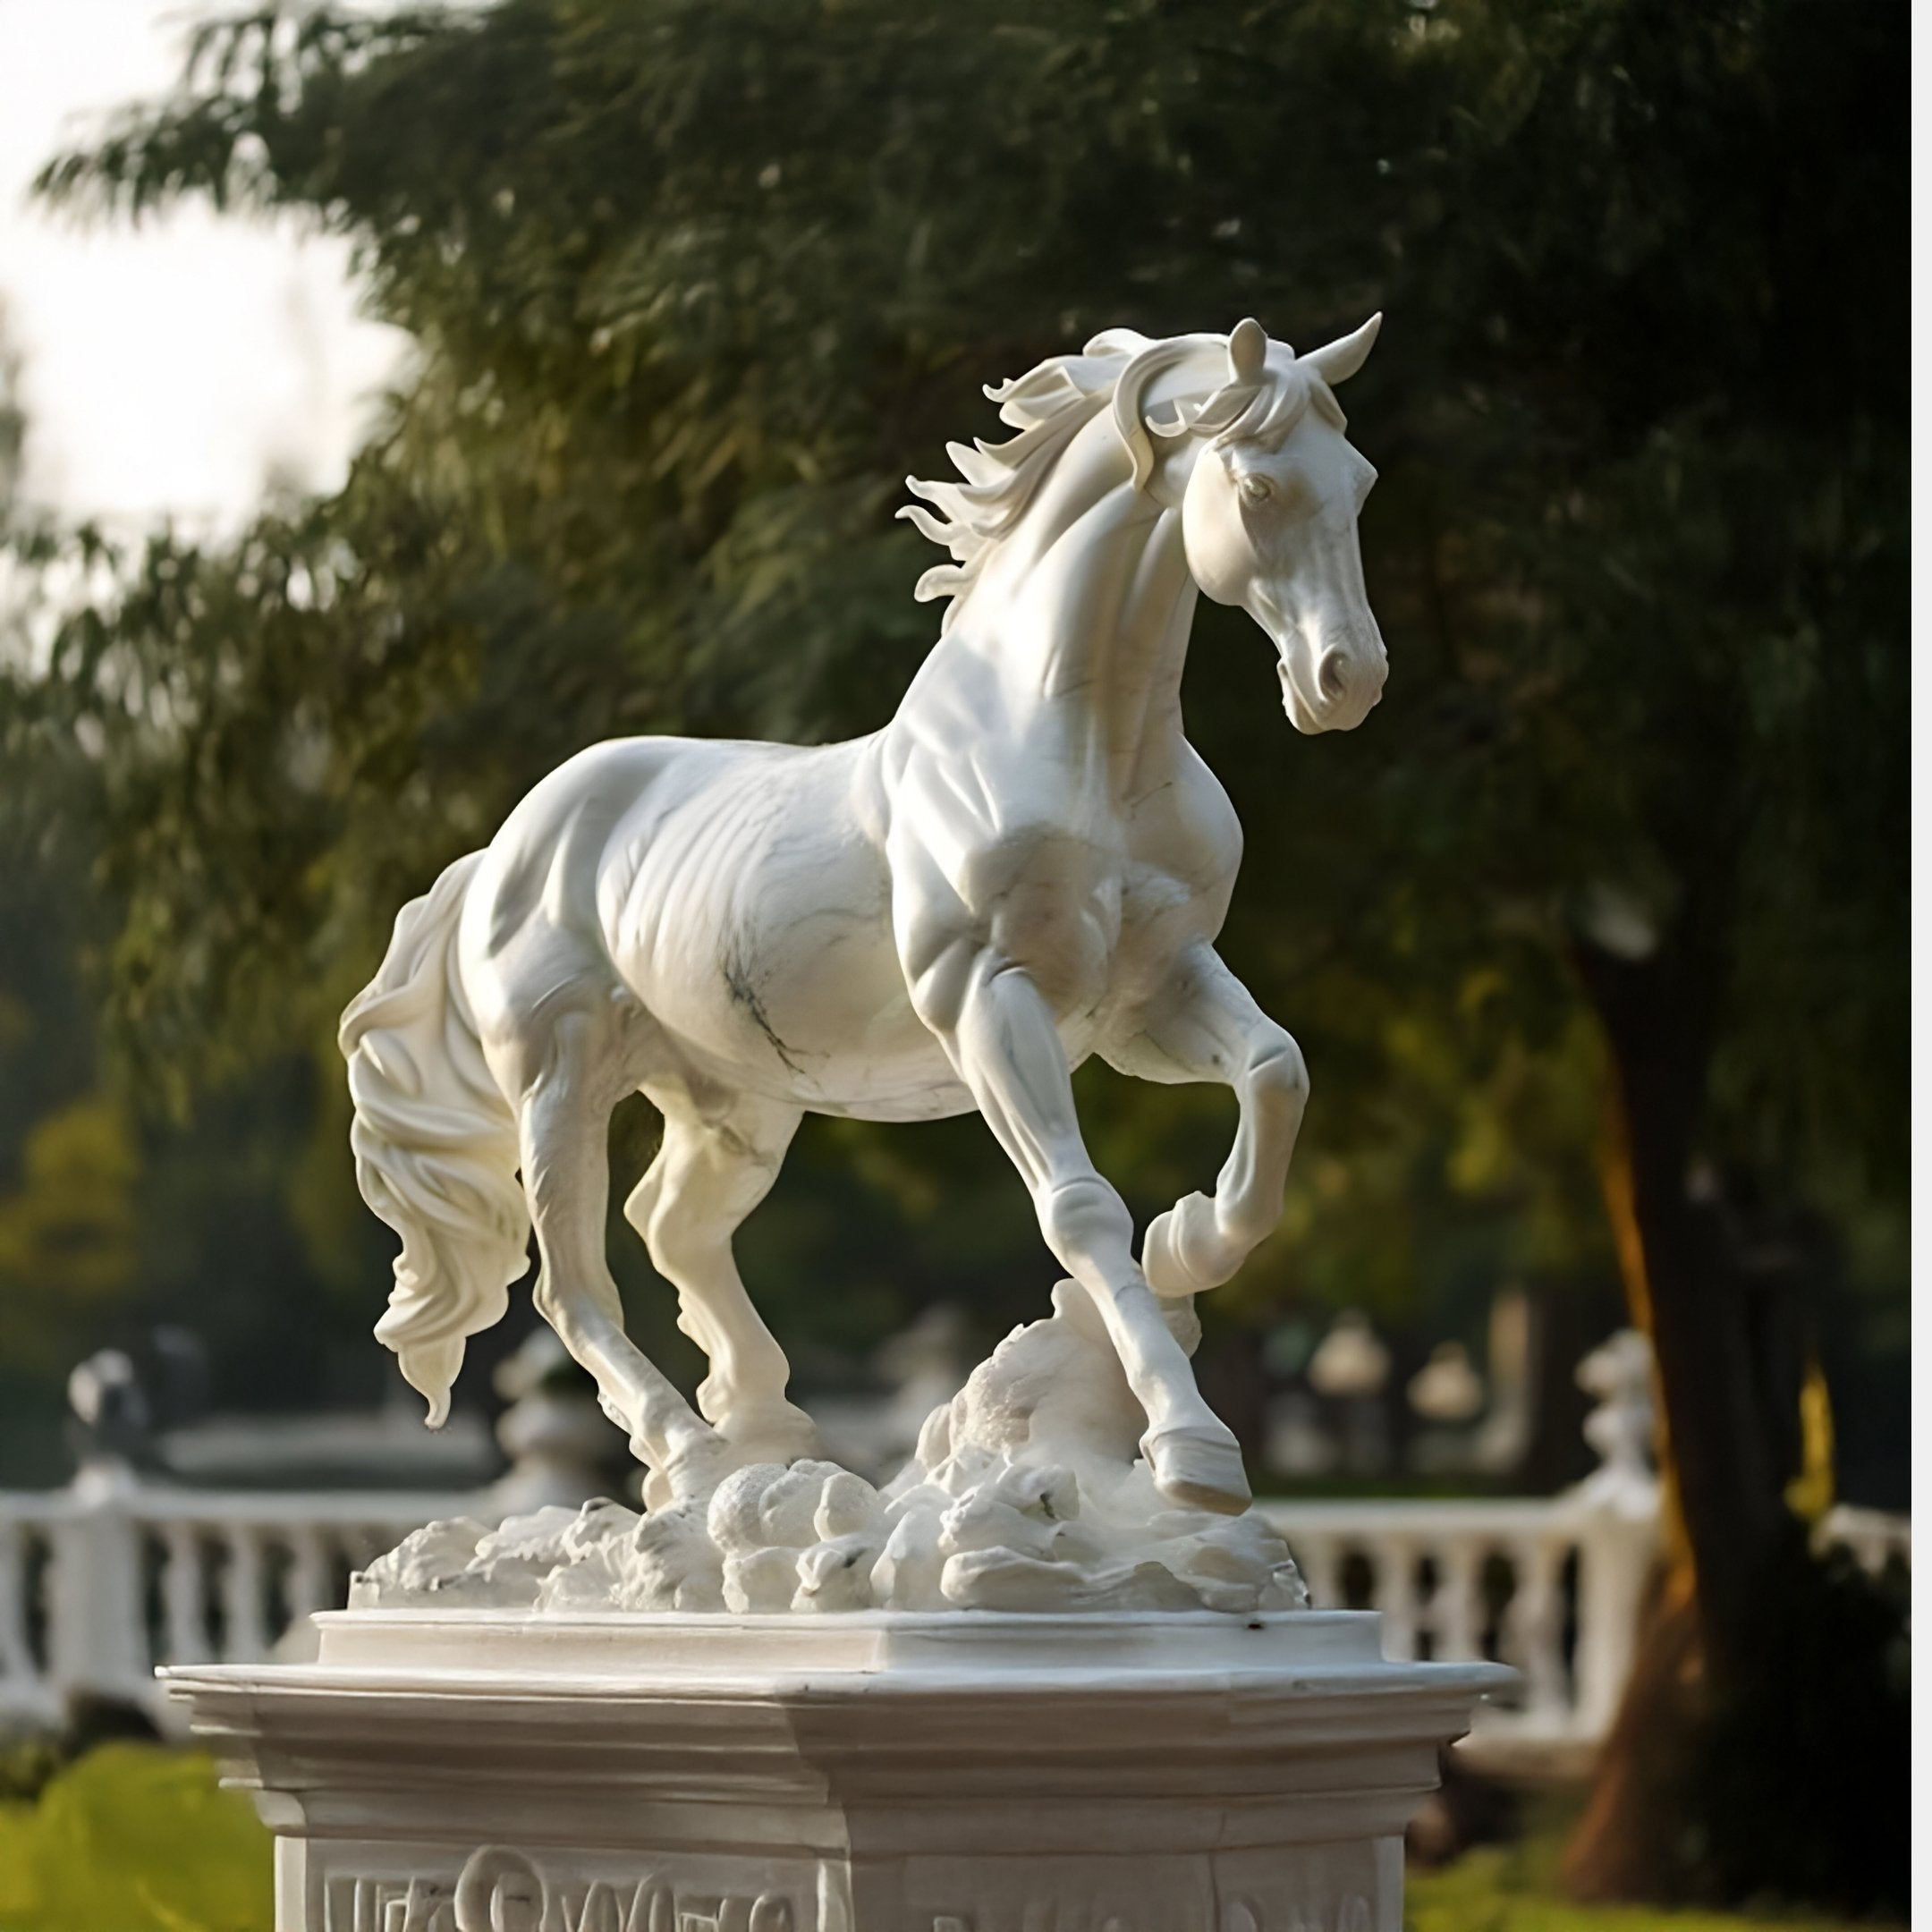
{"x":1049,"y":899}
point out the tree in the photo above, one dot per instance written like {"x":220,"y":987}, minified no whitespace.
{"x":694,"y":284}
{"x":1722,"y":597}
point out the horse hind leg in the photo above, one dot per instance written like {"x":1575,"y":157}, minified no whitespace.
{"x":564,"y":1111}
{"x":708,"y":1175}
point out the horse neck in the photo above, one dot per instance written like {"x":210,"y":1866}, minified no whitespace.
{"x":1090,"y":606}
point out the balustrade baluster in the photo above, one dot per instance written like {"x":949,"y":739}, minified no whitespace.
{"x":1395,"y":1597}
{"x":243,"y":1598}
{"x":1533,"y":1627}
{"x":184,"y":1596}
{"x":309,"y":1582}
{"x":1455,"y":1606}
{"x":17,"y":1666}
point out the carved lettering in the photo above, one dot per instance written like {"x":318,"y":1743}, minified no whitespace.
{"x":601,"y":1911}
{"x":501,"y":1889}
{"x":363,"y":1904}
{"x":654,"y":1909}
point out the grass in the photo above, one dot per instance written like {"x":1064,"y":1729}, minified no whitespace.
{"x":1512,"y":1888}
{"x":133,"y":1838}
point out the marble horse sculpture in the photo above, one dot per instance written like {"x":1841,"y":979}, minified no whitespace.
{"x":1029,"y":865}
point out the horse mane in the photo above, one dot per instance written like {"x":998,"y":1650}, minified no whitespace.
{"x":1055,"y":399}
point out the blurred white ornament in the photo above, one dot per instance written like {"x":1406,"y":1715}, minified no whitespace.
{"x":1351,"y":1362}
{"x":1447,"y":1389}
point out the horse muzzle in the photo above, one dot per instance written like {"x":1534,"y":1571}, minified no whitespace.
{"x":1347,"y":683}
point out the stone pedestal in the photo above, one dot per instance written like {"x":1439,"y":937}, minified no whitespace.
{"x":487,"y":1771}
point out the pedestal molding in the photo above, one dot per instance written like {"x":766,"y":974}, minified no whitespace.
{"x":876,"y":1773}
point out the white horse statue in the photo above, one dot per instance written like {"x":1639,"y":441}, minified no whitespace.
{"x":1027,"y":865}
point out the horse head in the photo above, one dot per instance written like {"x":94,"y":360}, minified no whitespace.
{"x":1269,"y":490}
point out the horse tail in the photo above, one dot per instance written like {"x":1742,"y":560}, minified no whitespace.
{"x":434,"y":1143}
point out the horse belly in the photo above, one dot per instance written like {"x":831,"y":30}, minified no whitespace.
{"x":756,"y":929}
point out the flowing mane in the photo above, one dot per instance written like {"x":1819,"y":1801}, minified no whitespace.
{"x":1056,"y":399}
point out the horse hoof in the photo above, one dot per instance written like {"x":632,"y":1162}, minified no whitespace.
{"x":1198,"y":1469}
{"x":786,"y":1434}
{"x":688,"y":1474}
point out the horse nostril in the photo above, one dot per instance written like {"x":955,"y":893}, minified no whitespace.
{"x":1332,"y":677}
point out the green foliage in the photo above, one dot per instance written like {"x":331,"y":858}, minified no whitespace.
{"x":134,"y":1839}
{"x":1512,"y":1889}
{"x":694,"y":286}
{"x":67,"y":1235}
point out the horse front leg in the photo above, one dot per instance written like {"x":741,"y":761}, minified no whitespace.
{"x":1204,"y":1025}
{"x":998,"y":1031}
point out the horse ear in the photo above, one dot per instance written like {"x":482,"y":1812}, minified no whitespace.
{"x":1247,"y":351}
{"x":1341,"y":358}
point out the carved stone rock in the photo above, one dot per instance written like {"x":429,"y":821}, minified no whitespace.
{"x":1024,"y":1493}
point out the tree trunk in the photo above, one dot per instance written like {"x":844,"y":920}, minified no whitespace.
{"x":1723,"y":1447}
{"x":1630,"y":1836}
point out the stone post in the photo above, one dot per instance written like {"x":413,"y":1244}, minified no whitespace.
{"x":96,"y":1622}
{"x":1617,"y":1540}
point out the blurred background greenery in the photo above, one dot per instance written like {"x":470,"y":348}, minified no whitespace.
{"x":1595,"y":938}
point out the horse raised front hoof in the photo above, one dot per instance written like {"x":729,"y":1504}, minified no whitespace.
{"x":1186,"y":1228}
{"x":1198,"y":1469}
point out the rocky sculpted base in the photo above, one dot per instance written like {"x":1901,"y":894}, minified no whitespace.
{"x":1026,"y":1493}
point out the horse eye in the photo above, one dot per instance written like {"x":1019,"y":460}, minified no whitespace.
{"x":1256,"y":489}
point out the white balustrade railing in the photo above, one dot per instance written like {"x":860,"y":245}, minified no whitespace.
{"x":105,"y":1580}
{"x":1552,"y":1585}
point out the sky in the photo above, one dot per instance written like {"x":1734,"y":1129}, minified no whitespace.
{"x":173,"y":370}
